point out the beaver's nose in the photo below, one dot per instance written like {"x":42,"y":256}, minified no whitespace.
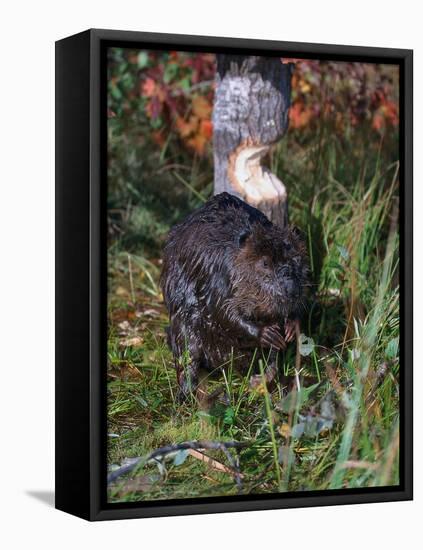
{"x":290,"y":286}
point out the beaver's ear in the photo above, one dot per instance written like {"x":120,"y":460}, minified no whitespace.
{"x":243,"y":237}
{"x":298,"y":233}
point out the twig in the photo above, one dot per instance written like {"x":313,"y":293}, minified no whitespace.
{"x":131,"y":281}
{"x":214,"y":464}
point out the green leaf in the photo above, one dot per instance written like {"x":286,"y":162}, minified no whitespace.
{"x":306,"y":391}
{"x":156,"y":122}
{"x":141,"y":401}
{"x":306,"y":345}
{"x":180,"y":457}
{"x":297,"y":430}
{"x":116,"y":92}
{"x":142,"y":60}
{"x":311,"y":426}
{"x":185,"y":83}
{"x":344,"y":252}
{"x":229,"y":416}
{"x":170,"y":72}
{"x":295,"y":399}
{"x":391,"y":350}
{"x":287,"y":404}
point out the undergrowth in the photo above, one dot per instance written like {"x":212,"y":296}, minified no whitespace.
{"x":332,"y":421}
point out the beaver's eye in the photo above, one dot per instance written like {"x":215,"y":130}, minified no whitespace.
{"x":265,"y":263}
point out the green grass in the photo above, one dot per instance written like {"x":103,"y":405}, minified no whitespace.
{"x":333,"y":421}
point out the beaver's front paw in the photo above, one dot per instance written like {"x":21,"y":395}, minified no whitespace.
{"x":291,"y":328}
{"x":271,"y":337}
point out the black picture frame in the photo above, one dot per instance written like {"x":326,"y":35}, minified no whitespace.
{"x":81,"y":274}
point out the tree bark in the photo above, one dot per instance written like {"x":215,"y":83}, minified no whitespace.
{"x":250,"y":115}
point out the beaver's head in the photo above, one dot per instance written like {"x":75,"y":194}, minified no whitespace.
{"x":271,"y":271}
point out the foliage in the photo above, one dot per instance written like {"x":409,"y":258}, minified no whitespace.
{"x":170,"y":91}
{"x":348,"y":94}
{"x":333,"y":420}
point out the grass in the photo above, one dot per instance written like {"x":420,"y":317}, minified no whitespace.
{"x":333,"y":421}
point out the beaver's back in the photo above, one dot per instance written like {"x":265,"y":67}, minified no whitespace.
{"x":199,"y":253}
{"x":219,"y":222}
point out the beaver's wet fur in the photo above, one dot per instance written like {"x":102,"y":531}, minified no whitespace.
{"x":233,"y":283}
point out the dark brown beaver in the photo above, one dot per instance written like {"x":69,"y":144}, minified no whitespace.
{"x":232,"y":282}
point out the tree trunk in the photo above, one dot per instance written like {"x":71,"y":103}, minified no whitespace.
{"x":250,"y":115}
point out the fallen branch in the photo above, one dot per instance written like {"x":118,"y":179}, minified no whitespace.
{"x":214,"y":464}
{"x":160,"y":453}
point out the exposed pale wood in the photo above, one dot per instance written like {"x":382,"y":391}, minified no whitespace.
{"x":250,"y":115}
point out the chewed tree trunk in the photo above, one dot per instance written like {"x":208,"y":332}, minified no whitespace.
{"x":250,"y":115}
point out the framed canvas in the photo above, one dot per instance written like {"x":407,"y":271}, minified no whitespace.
{"x":233,"y":274}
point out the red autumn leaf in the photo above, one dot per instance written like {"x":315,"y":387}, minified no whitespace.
{"x":186,"y":128}
{"x":148,"y":87}
{"x":198,"y":143}
{"x":201,"y":107}
{"x":378,"y":121}
{"x":159,"y":138}
{"x":206,"y":128}
{"x":390,"y":110}
{"x":299,"y":115}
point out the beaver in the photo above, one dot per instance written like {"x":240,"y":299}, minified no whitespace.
{"x":233,"y":284}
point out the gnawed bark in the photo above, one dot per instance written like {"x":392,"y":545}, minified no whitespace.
{"x":250,"y":115}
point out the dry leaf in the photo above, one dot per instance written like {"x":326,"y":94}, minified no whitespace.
{"x":198,"y":143}
{"x":256,"y":384}
{"x":284,"y":430}
{"x":124,"y":326}
{"x":151,"y":313}
{"x":201,"y":107}
{"x":186,"y":128}
{"x":134,"y":342}
{"x":121,"y":291}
